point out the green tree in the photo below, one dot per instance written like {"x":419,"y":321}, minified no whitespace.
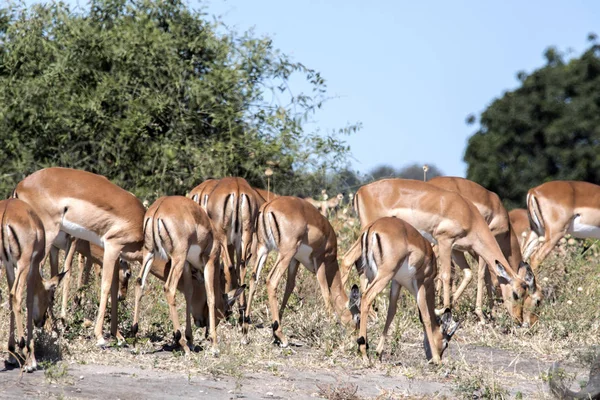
{"x":547,"y":129}
{"x":155,"y":96}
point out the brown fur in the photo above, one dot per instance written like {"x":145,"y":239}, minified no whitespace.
{"x":382,"y":248}
{"x":554,"y":205}
{"x":22,"y":238}
{"x":93,"y":202}
{"x":454,"y":222}
{"x":284,"y":224}
{"x":490,"y":207}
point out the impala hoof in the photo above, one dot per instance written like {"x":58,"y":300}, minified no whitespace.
{"x":244,"y":340}
{"x":102,"y":343}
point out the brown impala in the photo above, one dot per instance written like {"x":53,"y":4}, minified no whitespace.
{"x":447,"y":218}
{"x":23,"y":240}
{"x":493,"y":212}
{"x":300,"y":234}
{"x":560,"y":207}
{"x":89,"y":207}
{"x":390,"y":249}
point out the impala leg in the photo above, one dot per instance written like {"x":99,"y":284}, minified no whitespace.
{"x":425,"y":299}
{"x":394,"y":295}
{"x":281,"y":265}
{"x":188,"y":292}
{"x":67,"y":278}
{"x":178,"y":265}
{"x":482,"y":268}
{"x":111,"y":255}
{"x":461,"y":261}
{"x":445,"y":260}
{"x":139,"y":288}
{"x":325,"y":291}
{"x":114,"y":304}
{"x":10,"y":278}
{"x":262,"y":255}
{"x":552,"y":239}
{"x":17,"y":297}
{"x":289,"y":284}
{"x":374,"y":288}
{"x":212,"y":283}
{"x":53,"y":258}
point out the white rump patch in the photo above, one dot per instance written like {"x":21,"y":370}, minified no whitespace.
{"x":303,"y":255}
{"x":80,"y":232}
{"x":582,"y":231}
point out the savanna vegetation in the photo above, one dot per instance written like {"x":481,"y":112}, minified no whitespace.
{"x":158,"y":97}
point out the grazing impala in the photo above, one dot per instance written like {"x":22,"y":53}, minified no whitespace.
{"x":528,"y":239}
{"x":300,"y":234}
{"x":490,"y":207}
{"x":89,"y":207}
{"x":560,"y":207}
{"x":23,"y":240}
{"x":390,"y":249}
{"x":177,"y":229}
{"x":444,"y":217}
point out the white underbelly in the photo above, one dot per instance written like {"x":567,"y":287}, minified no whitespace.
{"x":579,"y":230}
{"x":80,"y":232}
{"x":405,"y":276}
{"x":428,"y":236}
{"x":193,"y":256}
{"x":303,"y":255}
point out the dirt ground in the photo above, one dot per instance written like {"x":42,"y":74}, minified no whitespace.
{"x":521,"y":377}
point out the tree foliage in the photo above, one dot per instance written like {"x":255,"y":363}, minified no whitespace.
{"x":547,"y":129}
{"x":155,"y":96}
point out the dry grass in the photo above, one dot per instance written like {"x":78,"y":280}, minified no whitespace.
{"x":568,"y":329}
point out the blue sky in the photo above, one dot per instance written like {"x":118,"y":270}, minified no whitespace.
{"x":412,"y":71}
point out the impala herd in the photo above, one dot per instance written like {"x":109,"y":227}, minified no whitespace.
{"x":203,"y":244}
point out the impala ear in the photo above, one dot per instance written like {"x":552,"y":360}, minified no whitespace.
{"x":53,"y":282}
{"x":529,"y":276}
{"x":232,"y":296}
{"x":501,"y":271}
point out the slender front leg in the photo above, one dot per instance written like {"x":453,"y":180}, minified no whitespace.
{"x":111,"y":255}
{"x":394,"y":295}
{"x":445,"y":261}
{"x":212,"y":283}
{"x":114,"y":306}
{"x":67,"y":278}
{"x":461,"y":261}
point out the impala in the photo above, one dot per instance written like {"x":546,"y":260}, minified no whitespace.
{"x":232,"y":205}
{"x":325,"y":205}
{"x":177,"y":229}
{"x":528,"y":239}
{"x":446,"y":218}
{"x":560,"y":207}
{"x":23,"y":240}
{"x":390,"y":249}
{"x":493,"y":212}
{"x":89,"y":207}
{"x":300,"y":234}
{"x":200,"y":193}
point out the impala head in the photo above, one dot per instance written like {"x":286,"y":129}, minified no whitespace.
{"x":534,"y":294}
{"x":442,"y":334}
{"x":354,"y":304}
{"x":124,"y":275}
{"x":199,"y":306}
{"x":514,"y":289}
{"x":43,"y":298}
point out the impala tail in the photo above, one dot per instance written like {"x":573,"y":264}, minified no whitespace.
{"x":536,"y":219}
